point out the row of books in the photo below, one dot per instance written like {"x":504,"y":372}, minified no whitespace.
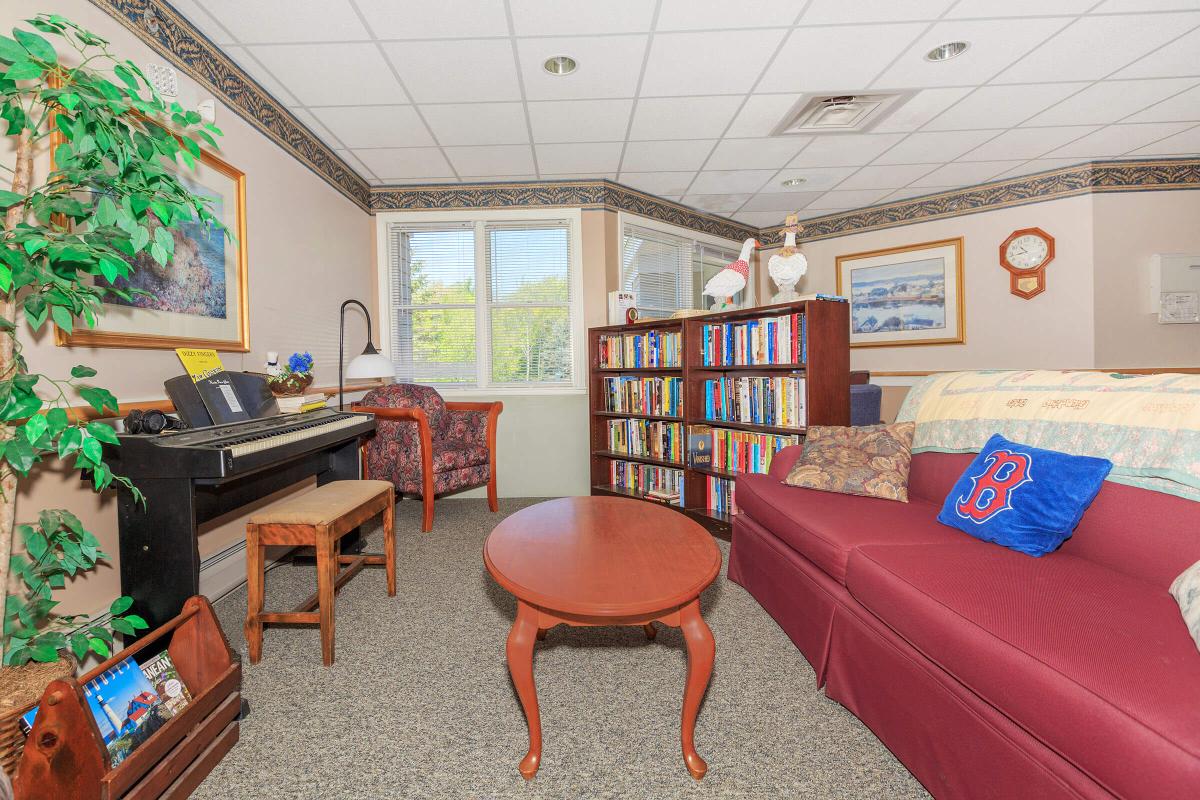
{"x":639,"y":350}
{"x":649,"y":438}
{"x":718,"y":495}
{"x":657,"y":483}
{"x":657,"y":396}
{"x":767,"y":340}
{"x":735,"y":451}
{"x":129,"y":703}
{"x":301,"y":403}
{"x":777,"y":401}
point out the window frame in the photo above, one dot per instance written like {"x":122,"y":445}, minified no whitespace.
{"x":478,"y":220}
{"x":625,"y":218}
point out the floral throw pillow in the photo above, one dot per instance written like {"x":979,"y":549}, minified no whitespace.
{"x":870,"y":460}
{"x":1186,"y":591}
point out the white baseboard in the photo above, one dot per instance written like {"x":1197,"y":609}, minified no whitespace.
{"x":225,"y":571}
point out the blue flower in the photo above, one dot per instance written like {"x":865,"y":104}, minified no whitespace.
{"x":300,"y":363}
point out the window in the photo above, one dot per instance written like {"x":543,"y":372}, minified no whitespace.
{"x":666,"y":269}
{"x":490,"y":303}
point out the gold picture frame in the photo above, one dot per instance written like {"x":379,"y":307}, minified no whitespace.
{"x":239,"y":341}
{"x":919,"y":287}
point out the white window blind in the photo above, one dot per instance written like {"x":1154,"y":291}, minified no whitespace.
{"x":482,"y":304}
{"x":666,"y":272}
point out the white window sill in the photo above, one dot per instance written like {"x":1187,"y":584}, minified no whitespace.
{"x":508,"y":391}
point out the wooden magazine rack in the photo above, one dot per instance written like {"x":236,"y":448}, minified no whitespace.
{"x":65,"y":755}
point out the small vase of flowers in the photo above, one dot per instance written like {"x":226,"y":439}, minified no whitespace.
{"x":294,"y":378}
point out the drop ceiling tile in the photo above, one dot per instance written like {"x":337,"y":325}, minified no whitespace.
{"x":319,"y":129}
{"x":780,"y":203}
{"x":683,"y":117}
{"x":1186,"y":143}
{"x":1018,"y":8}
{"x":482,"y":70}
{"x":579,"y":176}
{"x":845,"y":149}
{"x":731,"y":181}
{"x":491,"y":160}
{"x":375,"y":182}
{"x":760,"y":219}
{"x":822,"y":12}
{"x":672,"y":198}
{"x":852,"y":199}
{"x":259,"y":73}
{"x":1037,"y":165}
{"x":916,"y":191}
{"x":375,"y":126}
{"x":361,"y":76}
{"x":1110,"y":101}
{"x":816,"y":178}
{"x":995,"y":44}
{"x":1026,"y":143}
{"x":716,"y":62}
{"x":1002,"y":106}
{"x":575,"y":17}
{"x":355,"y":163}
{"x":669,"y":156}
{"x":579,"y":157}
{"x":1117,"y":140}
{"x":1096,"y":46}
{"x":762,"y":113}
{"x":922,"y":147}
{"x":659,"y":183}
{"x":420,"y":181}
{"x":608,"y":66}
{"x":891,"y":176}
{"x":441,"y":20}
{"x":499,"y":178}
{"x":1176,"y":58}
{"x":405,"y":163}
{"x":965,"y":173}
{"x":920,"y":109}
{"x":204,"y":21}
{"x":767,"y":153}
{"x":580,"y":120}
{"x":477,"y":123}
{"x":690,"y":15}
{"x":815,"y":59}
{"x":1122,"y":6}
{"x":1182,"y":107}
{"x":278,"y":21}
{"x":716,"y":203}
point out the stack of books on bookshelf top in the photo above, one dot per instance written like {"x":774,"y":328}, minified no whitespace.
{"x":640,"y":350}
{"x":781,"y":340}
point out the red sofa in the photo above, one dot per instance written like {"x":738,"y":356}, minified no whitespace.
{"x":989,"y":674}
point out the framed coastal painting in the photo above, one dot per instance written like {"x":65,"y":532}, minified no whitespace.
{"x":199,"y":298}
{"x":905,"y":295}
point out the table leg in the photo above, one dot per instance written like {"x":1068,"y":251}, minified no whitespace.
{"x":520,"y":666}
{"x":650,"y":630}
{"x":701,"y":649}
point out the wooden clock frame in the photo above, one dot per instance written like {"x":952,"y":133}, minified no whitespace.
{"x":1027,"y":283}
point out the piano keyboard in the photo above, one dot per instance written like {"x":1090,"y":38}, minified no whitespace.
{"x":268,"y":439}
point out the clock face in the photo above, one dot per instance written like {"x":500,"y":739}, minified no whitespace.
{"x":1027,"y":251}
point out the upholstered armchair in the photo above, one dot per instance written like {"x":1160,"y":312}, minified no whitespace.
{"x":428,"y":447}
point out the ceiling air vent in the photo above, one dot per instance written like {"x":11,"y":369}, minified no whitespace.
{"x":839,"y":113}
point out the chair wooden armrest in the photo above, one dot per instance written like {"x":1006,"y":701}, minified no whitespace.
{"x":418,"y":416}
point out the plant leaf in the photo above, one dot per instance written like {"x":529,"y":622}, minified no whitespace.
{"x":36,"y":46}
{"x":120,"y":605}
{"x":82,"y":371}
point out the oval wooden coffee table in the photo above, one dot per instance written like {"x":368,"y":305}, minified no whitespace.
{"x":604,"y":561}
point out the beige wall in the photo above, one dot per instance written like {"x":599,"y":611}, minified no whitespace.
{"x":309,"y":248}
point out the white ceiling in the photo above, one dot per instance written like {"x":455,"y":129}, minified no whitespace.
{"x":678,"y":97}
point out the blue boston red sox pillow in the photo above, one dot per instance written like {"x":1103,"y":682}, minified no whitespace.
{"x":1022,"y":497}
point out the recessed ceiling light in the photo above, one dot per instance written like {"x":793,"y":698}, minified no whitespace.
{"x":560,"y":65}
{"x":947,"y":51}
{"x":790,"y":182}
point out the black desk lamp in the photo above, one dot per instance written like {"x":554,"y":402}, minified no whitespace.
{"x":368,"y":365}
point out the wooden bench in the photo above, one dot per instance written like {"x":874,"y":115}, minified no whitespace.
{"x":317,"y":519}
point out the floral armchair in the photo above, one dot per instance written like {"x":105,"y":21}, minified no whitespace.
{"x":428,"y":447}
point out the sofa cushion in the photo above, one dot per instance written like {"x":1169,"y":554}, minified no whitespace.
{"x":1186,"y":591}
{"x":869,"y":460}
{"x":824,"y":527}
{"x":1094,"y":663}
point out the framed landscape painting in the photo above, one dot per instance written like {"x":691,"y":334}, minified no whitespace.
{"x":904,"y":295}
{"x":199,"y":298}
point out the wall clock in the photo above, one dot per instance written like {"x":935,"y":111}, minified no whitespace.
{"x":1025,"y":254}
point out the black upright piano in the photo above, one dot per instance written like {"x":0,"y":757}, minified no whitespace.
{"x":193,"y":476}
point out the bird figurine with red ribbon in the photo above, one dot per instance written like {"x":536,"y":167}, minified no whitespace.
{"x":731,"y":280}
{"x":788,"y":265}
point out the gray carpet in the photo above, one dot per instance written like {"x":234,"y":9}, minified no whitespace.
{"x":419,"y":703}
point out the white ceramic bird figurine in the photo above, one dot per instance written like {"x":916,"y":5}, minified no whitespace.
{"x":731,"y":280}
{"x":787,"y":266}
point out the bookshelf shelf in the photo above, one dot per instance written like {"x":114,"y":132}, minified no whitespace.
{"x":825,"y":370}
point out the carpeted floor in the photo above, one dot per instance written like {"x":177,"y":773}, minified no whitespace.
{"x":419,"y":703}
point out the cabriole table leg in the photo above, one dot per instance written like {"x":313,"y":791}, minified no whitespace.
{"x":701,"y":649}
{"x":520,"y":666}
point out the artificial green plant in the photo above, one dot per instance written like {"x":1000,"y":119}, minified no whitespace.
{"x":112,"y":194}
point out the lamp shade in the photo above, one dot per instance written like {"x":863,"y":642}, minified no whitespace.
{"x":370,"y":365}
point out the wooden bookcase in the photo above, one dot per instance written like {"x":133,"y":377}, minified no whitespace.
{"x":827,"y":391}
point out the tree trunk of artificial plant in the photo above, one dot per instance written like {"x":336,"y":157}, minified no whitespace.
{"x":22,"y":176}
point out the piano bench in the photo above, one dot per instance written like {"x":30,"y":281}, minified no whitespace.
{"x":317,"y":519}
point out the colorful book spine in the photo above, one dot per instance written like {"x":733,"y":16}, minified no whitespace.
{"x":719,"y":495}
{"x":647,"y":438}
{"x":756,"y":400}
{"x":763,"y":341}
{"x":639,"y":350}
{"x":745,"y":451}
{"x":644,"y":478}
{"x":653,"y":396}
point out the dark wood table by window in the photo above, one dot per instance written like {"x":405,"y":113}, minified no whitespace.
{"x":604,"y":561}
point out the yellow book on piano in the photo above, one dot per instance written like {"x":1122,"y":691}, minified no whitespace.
{"x":200,"y":364}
